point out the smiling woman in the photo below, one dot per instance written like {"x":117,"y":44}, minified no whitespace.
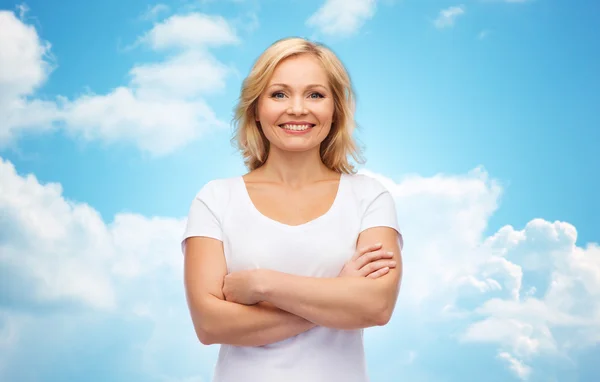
{"x":286,"y":265}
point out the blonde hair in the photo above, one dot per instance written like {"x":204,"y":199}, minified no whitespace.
{"x":337,"y":146}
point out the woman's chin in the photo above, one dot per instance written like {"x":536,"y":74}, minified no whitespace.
{"x":296,"y":145}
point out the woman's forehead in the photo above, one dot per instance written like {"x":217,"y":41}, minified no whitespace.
{"x":305,"y":71}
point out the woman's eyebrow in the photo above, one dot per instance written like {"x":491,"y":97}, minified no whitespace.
{"x":307,"y":86}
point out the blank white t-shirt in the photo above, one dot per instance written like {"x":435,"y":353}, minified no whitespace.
{"x":223,"y":210}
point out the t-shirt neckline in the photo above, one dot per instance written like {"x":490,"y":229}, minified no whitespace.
{"x":255,"y":211}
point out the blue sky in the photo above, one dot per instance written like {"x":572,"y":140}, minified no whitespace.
{"x":480,"y":116}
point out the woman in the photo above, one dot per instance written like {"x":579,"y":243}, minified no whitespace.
{"x":286,"y":265}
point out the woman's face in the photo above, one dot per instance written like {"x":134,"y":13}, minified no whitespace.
{"x":296,"y":109}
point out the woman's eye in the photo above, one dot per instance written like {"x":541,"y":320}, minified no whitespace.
{"x":280,"y":95}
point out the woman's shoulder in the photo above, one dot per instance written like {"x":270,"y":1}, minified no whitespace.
{"x":365,"y":184}
{"x":220,"y":183}
{"x":217,"y":189}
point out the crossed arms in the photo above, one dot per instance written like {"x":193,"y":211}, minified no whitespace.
{"x":276,"y":306}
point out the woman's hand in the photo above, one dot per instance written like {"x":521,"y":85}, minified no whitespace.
{"x":371,"y":262}
{"x":242,"y":287}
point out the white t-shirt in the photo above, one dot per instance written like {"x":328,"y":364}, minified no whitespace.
{"x":223,"y":210}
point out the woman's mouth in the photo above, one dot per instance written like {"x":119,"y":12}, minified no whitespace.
{"x":296,"y":128}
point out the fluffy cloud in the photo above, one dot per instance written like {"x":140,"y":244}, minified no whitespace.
{"x":193,"y":31}
{"x":155,"y":124}
{"x":26,"y":64}
{"x":529,"y":294}
{"x":179,"y":77}
{"x":522,"y":371}
{"x":23,"y":57}
{"x":447,"y":17}
{"x":57,"y":253}
{"x":445,"y":216}
{"x":161,"y":109}
{"x":342,"y":17}
{"x":153,"y":12}
{"x":562,"y":282}
{"x":81,"y":285}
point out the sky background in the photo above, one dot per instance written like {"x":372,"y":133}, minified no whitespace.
{"x":480,"y":116}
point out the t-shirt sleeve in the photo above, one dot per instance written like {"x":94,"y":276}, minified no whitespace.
{"x":380,"y":210}
{"x":204,"y":217}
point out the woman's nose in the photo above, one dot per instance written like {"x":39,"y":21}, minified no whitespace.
{"x":297,"y":106}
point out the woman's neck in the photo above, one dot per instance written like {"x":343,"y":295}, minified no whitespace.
{"x":295,"y":168}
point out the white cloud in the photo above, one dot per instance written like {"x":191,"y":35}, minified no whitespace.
{"x":530,"y":292}
{"x":23,"y":57}
{"x":521,"y":370}
{"x":152,"y":12}
{"x":193,"y":31}
{"x":23,"y":9}
{"x":65,"y":274}
{"x":448,"y":16}
{"x":181,"y":76}
{"x":51,"y":250}
{"x":55,"y":251}
{"x":25,"y":64}
{"x":443,"y":218}
{"x":342,"y":17}
{"x":157,"y":125}
{"x":161,"y":109}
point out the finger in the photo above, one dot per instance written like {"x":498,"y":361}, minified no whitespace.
{"x":373,"y":256}
{"x":378,"y":273}
{"x":370,"y":248}
{"x":376,"y":265}
{"x":361,"y":251}
{"x":367,"y":258}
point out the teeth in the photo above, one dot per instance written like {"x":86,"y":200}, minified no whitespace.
{"x":296,"y":127}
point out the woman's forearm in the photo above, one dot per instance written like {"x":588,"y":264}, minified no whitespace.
{"x":341,"y":303}
{"x":225,"y":322}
